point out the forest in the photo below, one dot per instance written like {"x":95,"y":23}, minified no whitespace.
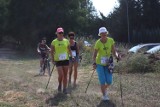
{"x":26,"y":21}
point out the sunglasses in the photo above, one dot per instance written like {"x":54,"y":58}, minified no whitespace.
{"x":71,"y":38}
{"x":60,"y":33}
{"x":71,"y":35}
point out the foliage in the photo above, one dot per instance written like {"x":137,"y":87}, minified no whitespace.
{"x":156,"y":66}
{"x":30,"y":20}
{"x":139,"y":63}
{"x":142,"y":21}
{"x":4,"y":14}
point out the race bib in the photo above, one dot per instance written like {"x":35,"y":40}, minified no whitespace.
{"x":73,"y":53}
{"x":62,"y":56}
{"x":104,"y":60}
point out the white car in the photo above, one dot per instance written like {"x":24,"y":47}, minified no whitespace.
{"x":154,"y":50}
{"x":86,"y":43}
{"x":136,"y":48}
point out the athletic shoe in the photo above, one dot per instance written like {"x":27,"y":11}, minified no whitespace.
{"x":69,"y":82}
{"x":40,"y":71}
{"x":65,"y":91}
{"x":59,"y":88}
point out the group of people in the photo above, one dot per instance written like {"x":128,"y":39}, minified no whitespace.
{"x":65,"y":55}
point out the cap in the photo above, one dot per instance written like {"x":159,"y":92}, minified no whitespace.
{"x":60,"y":30}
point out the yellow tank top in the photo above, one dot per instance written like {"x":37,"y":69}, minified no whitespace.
{"x":61,"y":49}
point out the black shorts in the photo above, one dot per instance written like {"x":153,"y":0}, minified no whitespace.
{"x":62,"y":63}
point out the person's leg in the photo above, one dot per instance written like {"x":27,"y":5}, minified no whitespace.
{"x":41,"y":62}
{"x":60,"y":77}
{"x":108,"y":77}
{"x":70,"y":71}
{"x":101,"y":77}
{"x":65,"y":72}
{"x":75,"y":72}
{"x":42,"y":59}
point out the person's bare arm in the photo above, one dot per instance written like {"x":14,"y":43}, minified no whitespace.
{"x":38,"y":50}
{"x":94,"y":58}
{"x":94,"y":55}
{"x":52,"y":53}
{"x":49,"y":49}
{"x":70,"y":52}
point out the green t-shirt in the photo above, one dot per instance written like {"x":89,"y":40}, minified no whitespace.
{"x":104,"y":51}
{"x":61,"y":49}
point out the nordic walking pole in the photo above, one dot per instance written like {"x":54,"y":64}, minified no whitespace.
{"x":50,"y":76}
{"x":120,"y":84}
{"x":121,"y":89}
{"x":89,"y":80}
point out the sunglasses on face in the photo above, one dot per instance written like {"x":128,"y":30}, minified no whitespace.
{"x":71,"y":35}
{"x":71,"y":38}
{"x":60,"y":33}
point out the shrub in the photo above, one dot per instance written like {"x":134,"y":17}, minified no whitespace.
{"x":139,"y":63}
{"x":156,"y":66}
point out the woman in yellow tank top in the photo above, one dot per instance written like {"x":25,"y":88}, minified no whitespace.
{"x":60,"y":50}
{"x":103,"y":50}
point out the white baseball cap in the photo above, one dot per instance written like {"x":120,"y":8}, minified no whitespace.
{"x":102,"y":30}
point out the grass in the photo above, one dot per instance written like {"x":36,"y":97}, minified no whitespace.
{"x":20,"y":87}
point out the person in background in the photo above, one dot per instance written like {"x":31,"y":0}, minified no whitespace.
{"x":43,"y":50}
{"x":73,"y":64}
{"x":60,"y":51}
{"x":104,"y":49}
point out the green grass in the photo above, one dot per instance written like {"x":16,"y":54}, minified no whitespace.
{"x":5,"y":105}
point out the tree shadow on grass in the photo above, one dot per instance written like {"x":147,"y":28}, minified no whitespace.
{"x":106,"y":104}
{"x":56,"y":99}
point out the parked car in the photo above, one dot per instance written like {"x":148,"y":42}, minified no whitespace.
{"x":86,"y":43}
{"x":154,"y":50}
{"x":143,"y":47}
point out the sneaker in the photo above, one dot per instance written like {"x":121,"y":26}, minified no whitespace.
{"x":105,"y":98}
{"x":69,"y":82}
{"x":65,"y":91}
{"x":40,"y":71}
{"x":59,"y":88}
